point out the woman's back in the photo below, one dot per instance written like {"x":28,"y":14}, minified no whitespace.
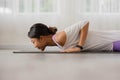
{"x":101,"y":40}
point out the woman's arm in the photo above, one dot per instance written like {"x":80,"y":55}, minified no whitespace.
{"x":83,"y":36}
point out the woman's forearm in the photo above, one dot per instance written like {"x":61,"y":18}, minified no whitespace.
{"x":83,"y":34}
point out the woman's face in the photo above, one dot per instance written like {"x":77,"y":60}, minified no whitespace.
{"x":39,"y":43}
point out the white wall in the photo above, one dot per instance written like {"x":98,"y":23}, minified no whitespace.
{"x":14,"y":27}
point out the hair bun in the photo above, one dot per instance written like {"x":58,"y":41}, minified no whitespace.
{"x":52,"y":30}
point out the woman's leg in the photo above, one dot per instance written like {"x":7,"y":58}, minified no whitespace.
{"x":116,"y":46}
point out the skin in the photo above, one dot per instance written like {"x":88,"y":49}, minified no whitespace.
{"x":42,"y":42}
{"x":60,"y":37}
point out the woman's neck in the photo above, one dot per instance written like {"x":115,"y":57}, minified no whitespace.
{"x":50,"y":41}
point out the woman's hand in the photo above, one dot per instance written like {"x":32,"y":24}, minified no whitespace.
{"x":75,"y":49}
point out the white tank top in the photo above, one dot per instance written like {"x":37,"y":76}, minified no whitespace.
{"x":96,"y":40}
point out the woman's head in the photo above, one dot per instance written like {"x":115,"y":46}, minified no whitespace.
{"x":40,"y":29}
{"x":38,"y":34}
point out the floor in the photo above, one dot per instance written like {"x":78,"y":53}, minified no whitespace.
{"x":40,"y":66}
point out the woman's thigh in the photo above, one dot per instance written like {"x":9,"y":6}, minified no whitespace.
{"x":116,"y":46}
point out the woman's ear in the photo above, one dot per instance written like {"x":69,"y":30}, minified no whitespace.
{"x":42,"y":38}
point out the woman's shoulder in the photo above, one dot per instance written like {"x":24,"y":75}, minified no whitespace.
{"x":61,"y":37}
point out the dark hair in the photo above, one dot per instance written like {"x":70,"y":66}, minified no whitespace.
{"x":39,"y":29}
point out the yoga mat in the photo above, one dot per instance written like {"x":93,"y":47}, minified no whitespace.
{"x":28,"y":51}
{"x":58,"y":52}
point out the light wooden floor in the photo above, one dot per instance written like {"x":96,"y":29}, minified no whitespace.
{"x":90,"y":66}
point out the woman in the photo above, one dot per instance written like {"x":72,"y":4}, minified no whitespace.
{"x":75,"y":38}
